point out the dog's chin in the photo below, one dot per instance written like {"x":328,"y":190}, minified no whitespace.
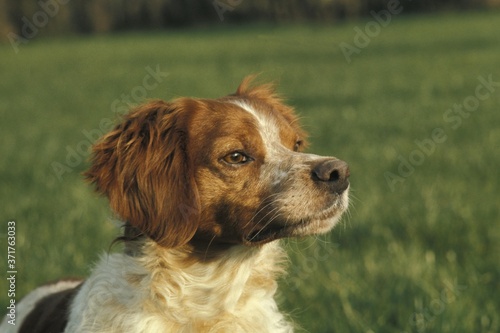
{"x":317,"y":223}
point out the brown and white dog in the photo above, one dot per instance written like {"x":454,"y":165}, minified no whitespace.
{"x":206,"y":188}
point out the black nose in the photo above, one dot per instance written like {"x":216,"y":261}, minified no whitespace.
{"x":333,"y":173}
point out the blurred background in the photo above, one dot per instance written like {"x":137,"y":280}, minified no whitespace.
{"x":94,"y":16}
{"x":407,"y":92}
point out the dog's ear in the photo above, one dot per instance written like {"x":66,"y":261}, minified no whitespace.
{"x":143,"y":166}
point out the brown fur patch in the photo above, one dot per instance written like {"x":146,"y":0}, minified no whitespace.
{"x":143,"y":168}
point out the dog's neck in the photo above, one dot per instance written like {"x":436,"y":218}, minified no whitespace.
{"x":201,"y":247}
{"x":207,"y":265}
{"x":242,"y":279}
{"x":174,"y":290}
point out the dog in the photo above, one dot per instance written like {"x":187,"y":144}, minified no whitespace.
{"x":206,"y":188}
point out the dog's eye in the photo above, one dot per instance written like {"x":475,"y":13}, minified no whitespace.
{"x":236,"y":158}
{"x":297,"y":146}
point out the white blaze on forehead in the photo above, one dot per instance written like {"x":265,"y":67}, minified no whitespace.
{"x":276,"y":152}
{"x":267,"y":125}
{"x":269,"y":131}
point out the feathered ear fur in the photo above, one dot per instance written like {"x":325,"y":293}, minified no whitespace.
{"x":144,"y":168}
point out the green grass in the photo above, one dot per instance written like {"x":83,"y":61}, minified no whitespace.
{"x":424,"y":257}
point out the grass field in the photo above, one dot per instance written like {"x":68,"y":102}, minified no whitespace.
{"x":412,"y":113}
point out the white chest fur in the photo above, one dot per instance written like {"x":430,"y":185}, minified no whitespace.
{"x":164,"y":291}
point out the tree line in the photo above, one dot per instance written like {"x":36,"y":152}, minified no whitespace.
{"x":22,"y":18}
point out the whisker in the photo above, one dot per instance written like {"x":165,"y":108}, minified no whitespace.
{"x":261,"y":209}
{"x":272,"y":211}
{"x":208,"y":246}
{"x":268,"y":223}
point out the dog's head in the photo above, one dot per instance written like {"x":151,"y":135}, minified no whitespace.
{"x":228,"y":171}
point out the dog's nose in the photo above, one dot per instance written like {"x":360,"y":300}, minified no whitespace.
{"x":332,"y":172}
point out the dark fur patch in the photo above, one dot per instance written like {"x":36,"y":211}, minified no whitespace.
{"x":50,"y":314}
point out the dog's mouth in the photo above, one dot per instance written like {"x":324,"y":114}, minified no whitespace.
{"x":269,"y":233}
{"x":317,"y":223}
{"x":262,"y":236}
{"x":273,"y":232}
